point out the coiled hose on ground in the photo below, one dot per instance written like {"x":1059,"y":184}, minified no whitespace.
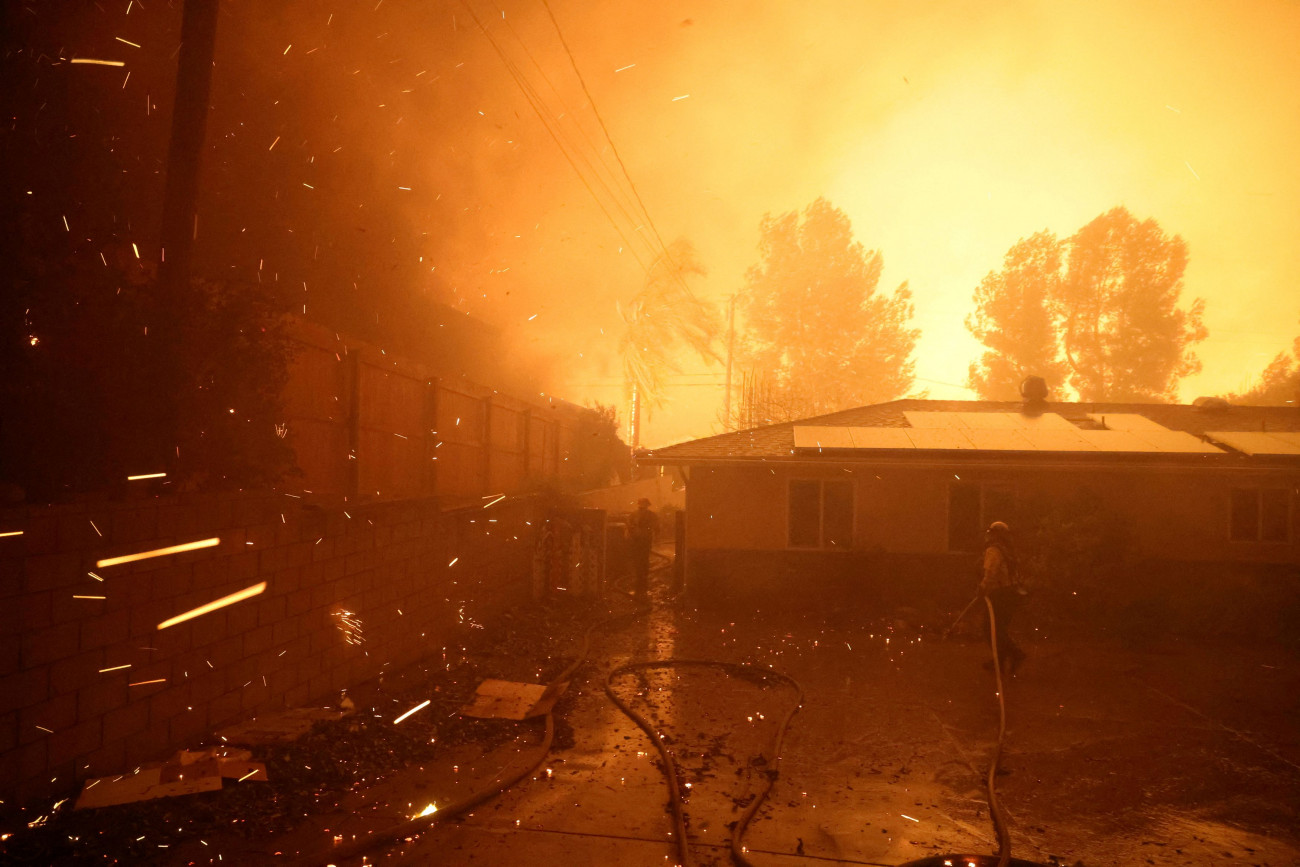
{"x":772,"y":761}
{"x":506,"y":780}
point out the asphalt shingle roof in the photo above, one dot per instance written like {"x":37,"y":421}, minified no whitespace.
{"x":777,"y":440}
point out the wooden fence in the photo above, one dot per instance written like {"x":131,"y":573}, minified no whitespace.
{"x":367,"y":425}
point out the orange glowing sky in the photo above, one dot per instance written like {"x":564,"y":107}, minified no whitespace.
{"x":946,"y":131}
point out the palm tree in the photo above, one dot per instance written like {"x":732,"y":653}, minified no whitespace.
{"x":664,"y":313}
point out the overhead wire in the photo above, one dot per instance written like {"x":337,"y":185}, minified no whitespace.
{"x":542,"y":111}
{"x":591,"y":101}
{"x":604,"y":129}
{"x":655,"y":244}
{"x":581,"y":131}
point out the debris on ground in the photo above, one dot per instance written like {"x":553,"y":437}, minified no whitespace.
{"x":278,"y":727}
{"x":186,"y":773}
{"x":505,"y":699}
{"x":310,"y":758}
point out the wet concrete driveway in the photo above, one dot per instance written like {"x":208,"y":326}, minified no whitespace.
{"x":1181,"y":754}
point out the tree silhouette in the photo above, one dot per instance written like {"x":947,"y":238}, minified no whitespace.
{"x":817,"y":329}
{"x":660,"y":318}
{"x":1014,"y":318}
{"x":1098,"y":313}
{"x":1279,"y":384}
{"x":1122,"y":333}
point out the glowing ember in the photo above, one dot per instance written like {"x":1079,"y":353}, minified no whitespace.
{"x":350,"y":625}
{"x":158,"y":552}
{"x":419,"y":707}
{"x":246,"y":593}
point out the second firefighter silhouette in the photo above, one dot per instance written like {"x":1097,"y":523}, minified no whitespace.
{"x":642,"y":528}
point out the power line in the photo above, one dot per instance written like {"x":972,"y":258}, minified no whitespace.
{"x":603,"y":128}
{"x":536,"y":104}
{"x":581,"y":131}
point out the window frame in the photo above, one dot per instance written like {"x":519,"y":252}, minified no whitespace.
{"x":984,"y":486}
{"x":821,"y":514}
{"x":1258,"y":537}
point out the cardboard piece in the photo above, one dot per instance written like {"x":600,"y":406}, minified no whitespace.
{"x":185,"y":773}
{"x":506,"y":699}
{"x":279,"y":727}
{"x":144,"y":786}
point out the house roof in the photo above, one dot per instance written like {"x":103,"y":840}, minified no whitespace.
{"x":776,"y":442}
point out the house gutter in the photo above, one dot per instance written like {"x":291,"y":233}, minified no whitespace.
{"x":1208,"y":462}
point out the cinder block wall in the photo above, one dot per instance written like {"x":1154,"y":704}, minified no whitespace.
{"x":407,"y":572}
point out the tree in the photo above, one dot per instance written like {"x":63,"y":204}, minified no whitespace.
{"x":816,"y":327}
{"x":1098,"y":313}
{"x":1014,"y":318}
{"x":662,"y":316}
{"x":1122,"y":333}
{"x":1279,"y":384}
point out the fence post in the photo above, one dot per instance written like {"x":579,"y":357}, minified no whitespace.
{"x":679,"y":551}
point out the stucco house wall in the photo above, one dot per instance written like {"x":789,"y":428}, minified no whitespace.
{"x":737,"y":524}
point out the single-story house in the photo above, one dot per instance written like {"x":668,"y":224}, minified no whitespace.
{"x":891,"y":500}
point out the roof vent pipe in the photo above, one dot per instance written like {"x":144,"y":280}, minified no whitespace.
{"x":1034,"y":391}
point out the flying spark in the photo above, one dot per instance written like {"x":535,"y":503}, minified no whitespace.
{"x":158,"y":552}
{"x":11,"y":533}
{"x":246,"y":593}
{"x":126,"y":41}
{"x":115,"y":668}
{"x":419,"y":707}
{"x":146,"y":476}
{"x":147,"y":682}
{"x":98,"y":62}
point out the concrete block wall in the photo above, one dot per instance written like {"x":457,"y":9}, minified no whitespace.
{"x":90,"y":686}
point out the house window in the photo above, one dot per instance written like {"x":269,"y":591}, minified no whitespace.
{"x":1260,"y":515}
{"x":820,"y":513}
{"x":972,"y":506}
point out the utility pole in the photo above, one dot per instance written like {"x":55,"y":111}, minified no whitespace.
{"x":731,"y":345}
{"x":180,"y":195}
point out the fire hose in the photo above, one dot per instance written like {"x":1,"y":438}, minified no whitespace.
{"x":771,"y":761}
{"x":995,"y":807}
